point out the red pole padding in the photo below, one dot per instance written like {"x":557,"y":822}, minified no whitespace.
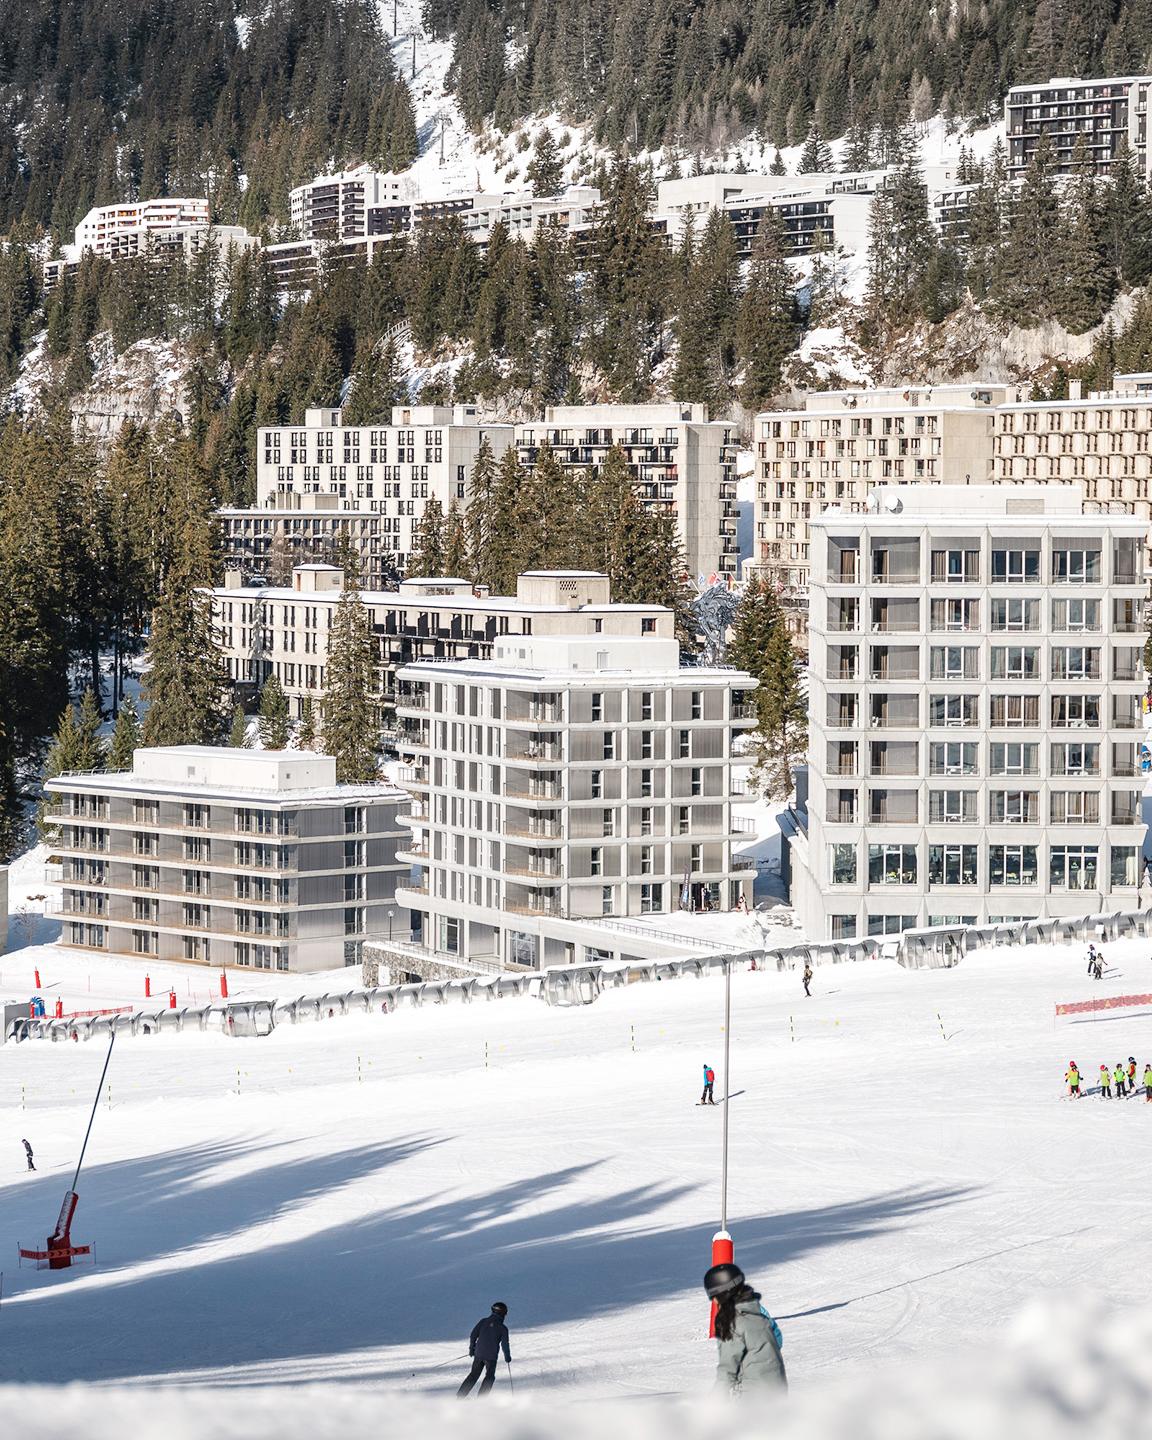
{"x":171,"y":999}
{"x":59,"y":1009}
{"x":147,"y":987}
{"x":37,"y":977}
{"x":723,"y":1253}
{"x":224,"y":984}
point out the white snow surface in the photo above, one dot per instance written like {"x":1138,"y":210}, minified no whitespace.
{"x":339,"y":1202}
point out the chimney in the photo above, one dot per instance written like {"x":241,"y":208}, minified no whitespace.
{"x":1075,"y":389}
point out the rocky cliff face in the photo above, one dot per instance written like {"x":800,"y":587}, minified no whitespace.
{"x":143,"y":384}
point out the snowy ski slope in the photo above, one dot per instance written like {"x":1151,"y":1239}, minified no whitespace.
{"x":340,"y":1202}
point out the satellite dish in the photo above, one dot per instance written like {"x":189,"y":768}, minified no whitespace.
{"x":893,"y":503}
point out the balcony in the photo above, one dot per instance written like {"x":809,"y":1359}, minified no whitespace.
{"x":412,"y":776}
{"x":546,"y":793}
{"x":536,"y":755}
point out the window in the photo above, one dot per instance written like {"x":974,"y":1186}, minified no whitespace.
{"x":646,"y":860}
{"x":596,"y":783}
{"x":646,"y":705}
{"x":1014,"y":807}
{"x":843,"y":864}
{"x":607,"y":904}
{"x":646,"y":783}
{"x":952,"y":710}
{"x":651,"y":898}
{"x":1015,"y":614}
{"x":1015,"y":711}
{"x":1074,"y":807}
{"x":954,"y":662}
{"x":1076,"y":567}
{"x":697,"y":705}
{"x":1075,"y":615}
{"x":646,"y":819}
{"x":843,"y":927}
{"x":1015,"y":662}
{"x":1013,"y":758}
{"x":608,"y":824}
{"x":354,"y":853}
{"x":890,"y":924}
{"x":1076,"y":759}
{"x":953,"y":758}
{"x":952,"y":864}
{"x":1015,"y":567}
{"x":952,"y":807}
{"x":684,"y":744}
{"x":955,"y":565}
{"x":1075,"y":662}
{"x":597,"y":705}
{"x":1125,"y":866}
{"x":1072,"y":867}
{"x":696,"y":782}
{"x":646,"y":743}
{"x":1076,"y":712}
{"x":609,"y":745}
{"x":892,"y":864}
{"x":596,"y":860}
{"x":949,"y":615}
{"x":1012,"y":865}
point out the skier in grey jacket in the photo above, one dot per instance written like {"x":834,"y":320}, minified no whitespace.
{"x":749,"y":1339}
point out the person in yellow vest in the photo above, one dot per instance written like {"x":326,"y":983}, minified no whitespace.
{"x":1148,"y":1081}
{"x":1073,"y":1078}
{"x":1105,"y":1083}
{"x":1118,"y":1078}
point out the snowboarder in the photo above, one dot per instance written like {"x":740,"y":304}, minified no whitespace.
{"x":1148,"y":1081}
{"x":1118,"y":1077}
{"x":28,"y":1154}
{"x":1091,"y":960}
{"x":489,"y":1336}
{"x":1073,"y":1078}
{"x":709,"y":1081}
{"x":1105,"y":1083}
{"x":807,"y":979}
{"x":749,"y":1340}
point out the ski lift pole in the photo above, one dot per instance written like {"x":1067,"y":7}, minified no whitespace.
{"x":92,"y":1117}
{"x":723,"y":1251}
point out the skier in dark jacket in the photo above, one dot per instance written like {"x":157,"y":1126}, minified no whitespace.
{"x":748,"y":1338}
{"x":489,"y":1336}
{"x":28,"y":1153}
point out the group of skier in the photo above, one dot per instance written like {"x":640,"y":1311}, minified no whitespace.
{"x":749,"y":1342}
{"x":1095,"y":963}
{"x":1115,"y":1083}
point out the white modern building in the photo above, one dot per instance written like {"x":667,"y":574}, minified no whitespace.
{"x":351,"y":204}
{"x":975,"y":721}
{"x":389,"y":471}
{"x":681,"y":462}
{"x":565,"y":781}
{"x":254,"y":858}
{"x":1102,"y":115}
{"x":160,"y":228}
{"x":283,"y":630}
{"x":844,"y":443}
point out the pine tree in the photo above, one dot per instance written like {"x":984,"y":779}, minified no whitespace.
{"x":766,"y":322}
{"x":351,"y":725}
{"x":480,"y":519}
{"x":186,"y":684}
{"x":816,"y":155}
{"x":92,"y":751}
{"x":273,"y":723}
{"x":456,"y":560}
{"x":238,"y":729}
{"x":125,"y":736}
{"x":427,"y":557}
{"x":782,"y":718}
{"x":306,"y":725}
{"x":757,"y":618}
{"x":777,"y":167}
{"x":545,"y":172}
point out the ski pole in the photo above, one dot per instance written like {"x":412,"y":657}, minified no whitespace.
{"x":513,"y":1387}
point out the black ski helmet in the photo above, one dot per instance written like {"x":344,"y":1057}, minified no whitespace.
{"x":500,"y":1309}
{"x":722,"y":1278}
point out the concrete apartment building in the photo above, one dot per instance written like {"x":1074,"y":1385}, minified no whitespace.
{"x":841,"y":445}
{"x":266,"y":543}
{"x":145,"y":227}
{"x":680,"y":460}
{"x":253,"y":858}
{"x":975,"y":719}
{"x":386,"y":471}
{"x":283,"y":631}
{"x":565,"y":780}
{"x":1100,"y":441}
{"x":1104,"y":114}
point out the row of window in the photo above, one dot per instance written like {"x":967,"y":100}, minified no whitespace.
{"x":902,"y":616}
{"x":1063,"y":712}
{"x":1070,"y":867}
